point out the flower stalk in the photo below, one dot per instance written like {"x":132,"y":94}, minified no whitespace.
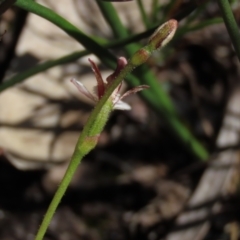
{"x":107,"y":98}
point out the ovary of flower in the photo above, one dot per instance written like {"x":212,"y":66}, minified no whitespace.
{"x":101,"y":86}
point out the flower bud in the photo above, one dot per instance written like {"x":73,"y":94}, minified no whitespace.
{"x":162,"y":35}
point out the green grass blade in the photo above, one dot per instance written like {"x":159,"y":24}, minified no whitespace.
{"x":18,"y":78}
{"x":231,"y":25}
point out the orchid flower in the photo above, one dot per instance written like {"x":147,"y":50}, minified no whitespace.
{"x":101,"y":86}
{"x":107,"y":96}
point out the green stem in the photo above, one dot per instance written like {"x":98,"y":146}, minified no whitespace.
{"x":75,"y":160}
{"x":231,"y":25}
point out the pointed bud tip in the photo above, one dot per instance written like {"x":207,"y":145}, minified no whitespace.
{"x":173,"y":23}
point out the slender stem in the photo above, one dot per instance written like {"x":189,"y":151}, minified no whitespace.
{"x":231,"y":25}
{"x":76,"y":158}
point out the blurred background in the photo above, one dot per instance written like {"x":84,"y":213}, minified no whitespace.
{"x":141,"y":182}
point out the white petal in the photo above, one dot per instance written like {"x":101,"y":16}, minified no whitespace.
{"x":81,"y":88}
{"x":120,"y":105}
{"x":134,"y":90}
